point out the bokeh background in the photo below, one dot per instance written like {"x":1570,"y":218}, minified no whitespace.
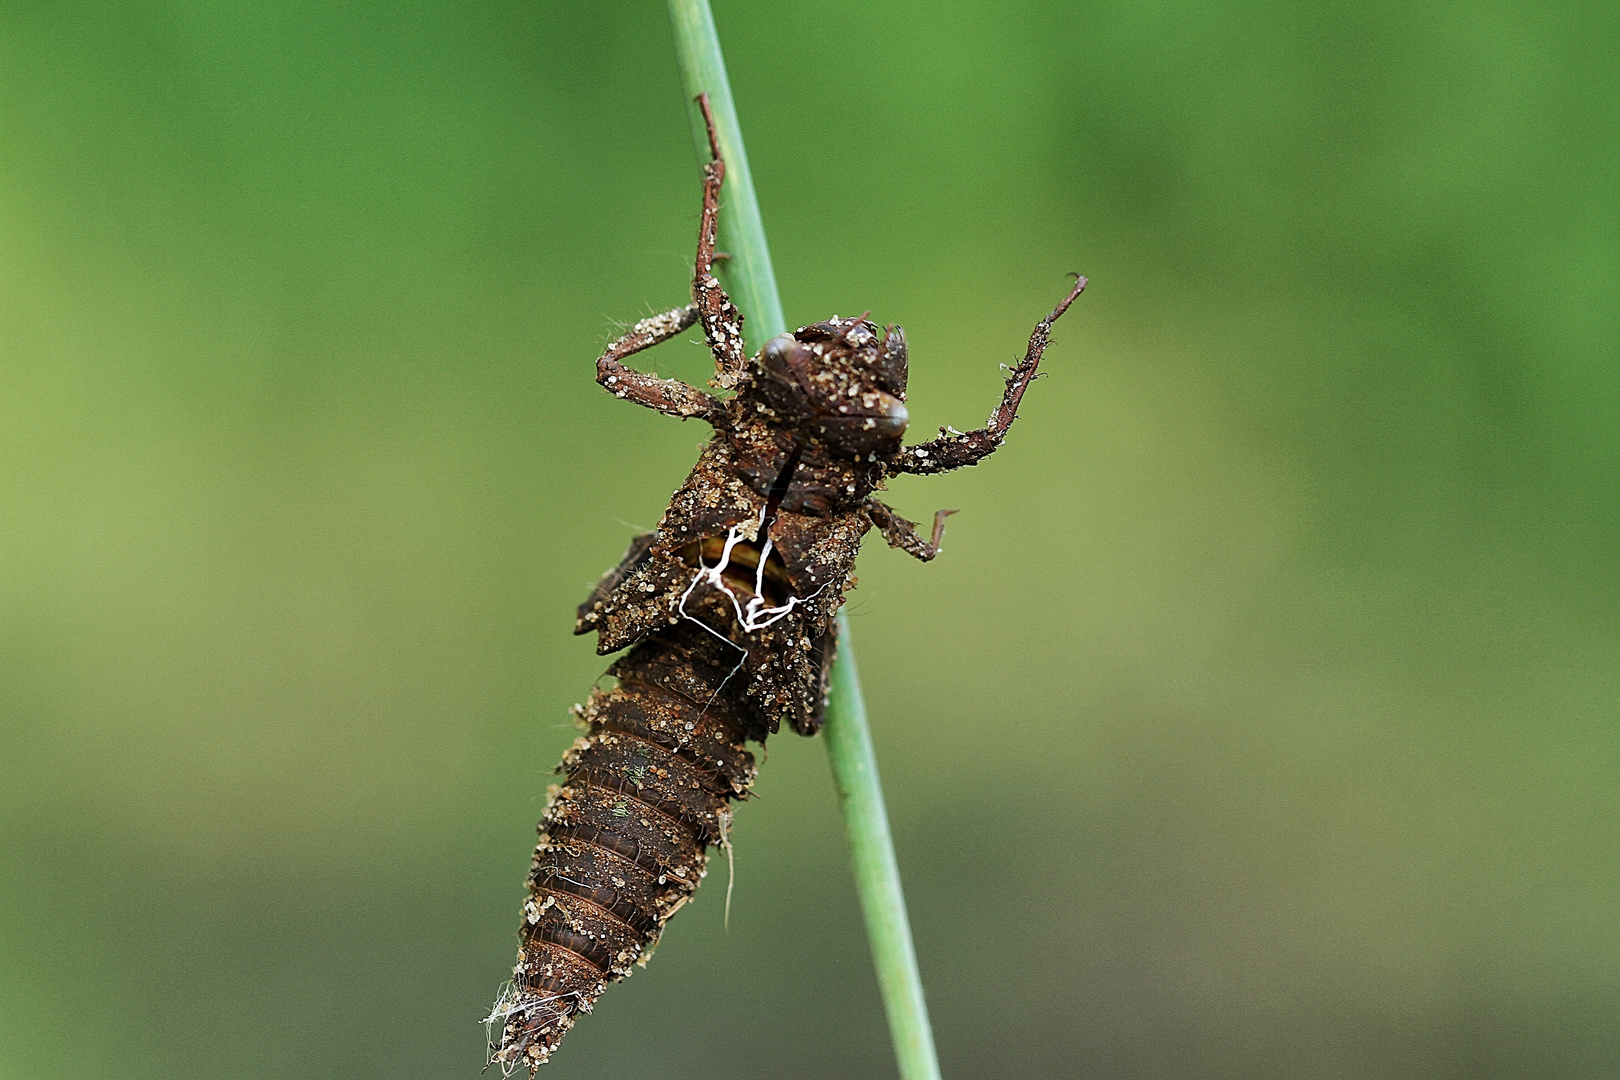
{"x":1258,"y":722}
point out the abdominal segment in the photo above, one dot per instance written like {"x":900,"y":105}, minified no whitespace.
{"x":623,"y":840}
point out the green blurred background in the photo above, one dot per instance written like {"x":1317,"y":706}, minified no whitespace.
{"x":1258,"y":722}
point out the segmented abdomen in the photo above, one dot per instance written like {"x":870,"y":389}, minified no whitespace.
{"x":623,"y":839}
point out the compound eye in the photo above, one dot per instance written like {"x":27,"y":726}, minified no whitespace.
{"x":779,"y":352}
{"x":781,"y":359}
{"x":890,"y":368}
{"x":892,"y":421}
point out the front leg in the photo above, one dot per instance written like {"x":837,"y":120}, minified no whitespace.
{"x":669,"y":396}
{"x":722,"y":322}
{"x":902,"y":534}
{"x":952,"y":451}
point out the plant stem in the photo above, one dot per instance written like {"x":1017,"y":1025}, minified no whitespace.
{"x":877,"y":876}
{"x":752,"y":285}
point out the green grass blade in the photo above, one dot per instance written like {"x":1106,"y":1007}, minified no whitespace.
{"x":752,"y":285}
{"x":877,"y":876}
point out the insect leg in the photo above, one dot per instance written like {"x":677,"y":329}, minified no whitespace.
{"x":722,"y":322}
{"x":902,"y":534}
{"x":952,"y":451}
{"x":669,"y":396}
{"x":640,"y":551}
{"x":823,"y":651}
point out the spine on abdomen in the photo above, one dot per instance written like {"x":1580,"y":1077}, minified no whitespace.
{"x":623,"y":839}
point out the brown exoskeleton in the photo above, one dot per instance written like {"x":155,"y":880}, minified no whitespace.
{"x":727,"y":608}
